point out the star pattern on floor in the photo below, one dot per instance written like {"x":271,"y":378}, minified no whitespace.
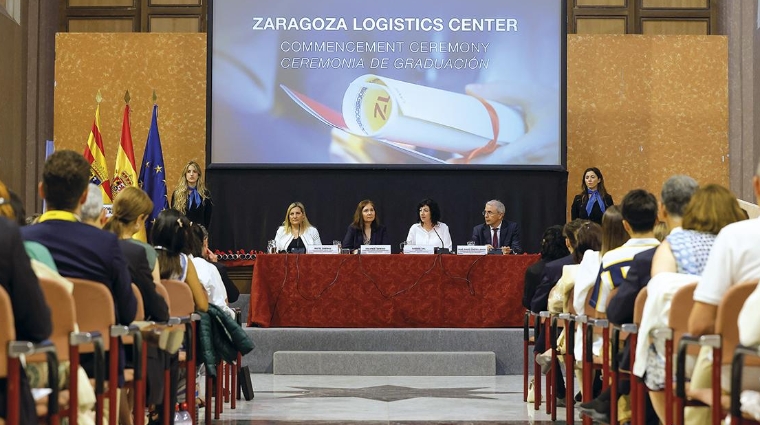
{"x":390,"y":393}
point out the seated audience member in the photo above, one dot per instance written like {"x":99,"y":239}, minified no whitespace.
{"x":613,"y":236}
{"x":639,"y":209}
{"x":686,"y":252}
{"x":208,"y":275}
{"x":497,"y":233}
{"x":30,"y":311}
{"x":553,"y":247}
{"x":233,"y":293}
{"x":80,"y":250}
{"x":593,"y":200}
{"x":169,"y":235}
{"x":131,"y":208}
{"x":296,"y":233}
{"x":429,"y":230}
{"x":366,"y":228}
{"x":553,"y":269}
{"x":92,"y":212}
{"x":734,"y":259}
{"x":13,"y":209}
{"x":675,"y":195}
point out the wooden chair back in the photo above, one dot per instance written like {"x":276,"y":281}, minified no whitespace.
{"x":681,"y":305}
{"x":95,"y":310}
{"x":161,"y":289}
{"x":181,"y":297}
{"x":62,"y":313}
{"x":7,"y":330}
{"x":726,"y":323}
{"x":638,"y":306}
{"x":140,"y":314}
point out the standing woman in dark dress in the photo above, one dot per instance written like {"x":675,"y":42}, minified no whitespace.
{"x":191,"y":197}
{"x":593,"y":200}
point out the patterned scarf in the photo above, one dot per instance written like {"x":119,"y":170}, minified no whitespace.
{"x":193,"y":198}
{"x":594,"y":197}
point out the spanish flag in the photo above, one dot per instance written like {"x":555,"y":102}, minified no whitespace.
{"x":96,"y":157}
{"x":125,"y":173}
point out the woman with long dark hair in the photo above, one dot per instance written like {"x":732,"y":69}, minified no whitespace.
{"x":593,"y":200}
{"x":366,"y":228}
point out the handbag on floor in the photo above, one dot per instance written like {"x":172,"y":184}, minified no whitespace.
{"x":245,"y":382}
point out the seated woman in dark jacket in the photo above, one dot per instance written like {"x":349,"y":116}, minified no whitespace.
{"x":552,"y":248}
{"x":366,"y":228}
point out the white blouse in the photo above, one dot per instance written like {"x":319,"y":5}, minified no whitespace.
{"x":439,"y":236}
{"x":309,"y":237}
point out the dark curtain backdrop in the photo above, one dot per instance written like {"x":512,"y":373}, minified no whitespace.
{"x":249,"y":204}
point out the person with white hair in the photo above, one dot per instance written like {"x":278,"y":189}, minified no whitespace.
{"x":93,"y":212}
{"x":496,"y":232}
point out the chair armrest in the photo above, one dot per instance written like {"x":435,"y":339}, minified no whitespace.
{"x":631,"y":328}
{"x":545,"y":314}
{"x":737,"y":366}
{"x":81,"y":338}
{"x":686,"y":340}
{"x":714,"y":341}
{"x":17,"y":349}
{"x":661,"y":333}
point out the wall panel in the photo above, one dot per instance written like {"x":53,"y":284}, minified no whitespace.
{"x":642,"y":108}
{"x":172,"y":64}
{"x":101,"y":25}
{"x":174,"y":24}
{"x":674,"y":27}
{"x":601,"y":25}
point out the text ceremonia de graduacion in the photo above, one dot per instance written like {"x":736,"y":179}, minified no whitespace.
{"x":398,"y":24}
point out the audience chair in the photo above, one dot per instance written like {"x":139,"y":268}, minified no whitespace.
{"x":725,"y":339}
{"x":87,"y":294}
{"x":66,"y":338}
{"x":537,"y":323}
{"x":593,"y":323}
{"x":627,"y":332}
{"x":551,"y":400}
{"x":11,"y":352}
{"x":528,"y":341}
{"x":569,"y":320}
{"x":140,"y":360}
{"x":183,"y":306}
{"x":678,"y":322}
{"x":741,"y":354}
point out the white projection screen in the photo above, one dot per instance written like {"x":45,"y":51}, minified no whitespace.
{"x":425,"y":82}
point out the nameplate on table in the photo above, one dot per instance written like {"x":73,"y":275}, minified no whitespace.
{"x":472,"y":250}
{"x":419,"y":249}
{"x":323,"y":249}
{"x":375,"y":249}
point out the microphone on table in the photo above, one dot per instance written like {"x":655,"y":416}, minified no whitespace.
{"x":442,"y":249}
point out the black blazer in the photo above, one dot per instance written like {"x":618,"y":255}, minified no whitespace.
{"x":199,"y":213}
{"x":550,"y":277}
{"x":354,"y":237}
{"x":620,"y":308}
{"x":154,"y":305}
{"x":578,"y":209}
{"x":509,"y":235}
{"x":532,"y":280}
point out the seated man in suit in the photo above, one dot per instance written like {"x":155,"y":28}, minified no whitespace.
{"x":80,"y":250}
{"x":496,"y":232}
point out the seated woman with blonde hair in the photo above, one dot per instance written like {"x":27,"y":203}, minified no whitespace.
{"x":296,"y":233}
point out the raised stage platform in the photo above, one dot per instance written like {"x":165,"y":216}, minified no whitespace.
{"x":506,"y":344}
{"x":452,"y":351}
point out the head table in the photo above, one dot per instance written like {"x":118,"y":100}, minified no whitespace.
{"x":388,"y":291}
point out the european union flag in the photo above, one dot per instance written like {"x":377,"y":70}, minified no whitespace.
{"x":152,"y":175}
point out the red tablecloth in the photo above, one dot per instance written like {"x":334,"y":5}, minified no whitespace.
{"x":373,"y":291}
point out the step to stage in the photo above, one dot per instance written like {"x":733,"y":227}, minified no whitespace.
{"x":384,"y":363}
{"x":441,"y":347}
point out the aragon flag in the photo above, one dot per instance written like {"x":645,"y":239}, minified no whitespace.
{"x":96,"y":156}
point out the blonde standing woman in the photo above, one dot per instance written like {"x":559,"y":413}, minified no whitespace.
{"x":191,"y":197}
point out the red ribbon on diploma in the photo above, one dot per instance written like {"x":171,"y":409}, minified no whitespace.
{"x":491,"y":145}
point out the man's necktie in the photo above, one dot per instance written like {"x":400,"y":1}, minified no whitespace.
{"x":495,"y":239}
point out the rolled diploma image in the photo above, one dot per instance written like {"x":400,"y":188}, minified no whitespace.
{"x":422,"y":116}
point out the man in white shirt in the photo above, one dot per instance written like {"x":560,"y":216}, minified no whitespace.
{"x":734,"y":259}
{"x":496,"y":232}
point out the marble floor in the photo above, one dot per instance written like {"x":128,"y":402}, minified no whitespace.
{"x":370,"y":400}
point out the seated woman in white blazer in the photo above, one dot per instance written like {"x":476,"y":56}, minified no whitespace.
{"x":296,"y":231}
